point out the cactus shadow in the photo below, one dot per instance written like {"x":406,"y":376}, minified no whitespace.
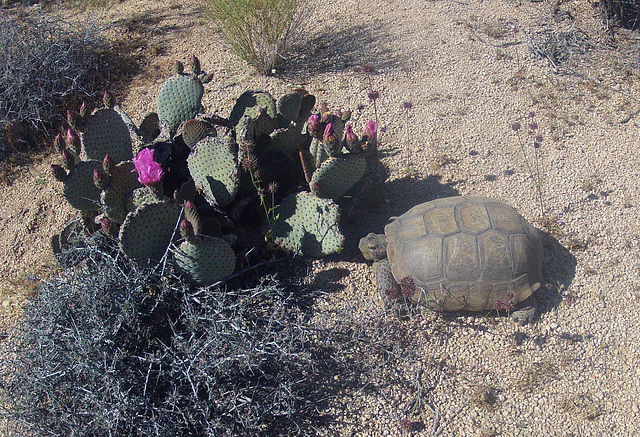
{"x":334,"y":51}
{"x":401,"y":195}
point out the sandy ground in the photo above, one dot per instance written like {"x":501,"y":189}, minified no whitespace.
{"x":470,"y":69}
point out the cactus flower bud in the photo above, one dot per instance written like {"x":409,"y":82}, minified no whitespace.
{"x":195,"y":65}
{"x":100,"y":179}
{"x":58,"y":172}
{"x":313,"y":125}
{"x":205,"y":78}
{"x":73,"y":141}
{"x":107,"y":99}
{"x":178,"y":67}
{"x":315,"y":187}
{"x":84,"y":110}
{"x":324,"y":108}
{"x":68,"y":159}
{"x":149,"y":171}
{"x":58,"y":143}
{"x":190,"y":206}
{"x":349,"y":136}
{"x":371,"y":130}
{"x":73,"y":119}
{"x":108,"y":164}
{"x":329,"y":134}
{"x":105,"y":225}
{"x":186,"y":230}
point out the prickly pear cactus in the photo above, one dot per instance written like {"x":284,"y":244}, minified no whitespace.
{"x":147,"y":232}
{"x":260,"y":106}
{"x":142,"y":196}
{"x":205,"y":260}
{"x":337,"y":175}
{"x":180,"y":97}
{"x":309,"y":225}
{"x":106,"y":133}
{"x":192,"y":131}
{"x":79,"y":189}
{"x":296,"y":106}
{"x":287,"y":140}
{"x":122,"y":183}
{"x":289,"y":106}
{"x":213,"y":165}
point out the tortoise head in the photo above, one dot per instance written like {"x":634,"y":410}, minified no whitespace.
{"x":374,"y":247}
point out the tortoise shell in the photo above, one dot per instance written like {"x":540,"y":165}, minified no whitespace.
{"x":465,"y":253}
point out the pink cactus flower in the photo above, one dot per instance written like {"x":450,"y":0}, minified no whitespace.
{"x":149,"y":171}
{"x":371,"y":130}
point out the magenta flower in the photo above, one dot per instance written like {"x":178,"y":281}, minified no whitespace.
{"x":149,"y":171}
{"x":371,"y":130}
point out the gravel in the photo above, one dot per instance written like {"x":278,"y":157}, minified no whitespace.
{"x":573,"y":372}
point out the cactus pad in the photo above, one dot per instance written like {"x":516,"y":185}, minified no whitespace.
{"x":123,"y":181}
{"x":192,"y":131}
{"x":180,"y":99}
{"x":337,"y":174}
{"x":79,"y":189}
{"x":289,"y":106}
{"x":142,"y":196}
{"x":309,"y":225}
{"x":286,"y":141}
{"x":146,"y":233}
{"x":205,"y":260}
{"x":260,"y":106}
{"x":106,"y":133}
{"x":150,"y":127}
{"x":213,"y":165}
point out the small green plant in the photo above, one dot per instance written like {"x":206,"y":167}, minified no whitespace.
{"x":259,"y":31}
{"x":267,"y":197}
{"x":406,"y":106}
{"x":535,"y":170}
{"x":373,"y":95}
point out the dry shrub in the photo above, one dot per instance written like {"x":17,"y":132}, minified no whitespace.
{"x":107,"y":349}
{"x":626,"y":12}
{"x":44,"y":61}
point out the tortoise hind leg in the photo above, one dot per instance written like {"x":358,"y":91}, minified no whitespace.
{"x":525,"y":311}
{"x":387,"y":286}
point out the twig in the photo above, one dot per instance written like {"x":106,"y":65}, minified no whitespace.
{"x":628,"y":118}
{"x":248,"y":269}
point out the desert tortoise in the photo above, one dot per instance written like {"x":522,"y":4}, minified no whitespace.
{"x":459,"y":253}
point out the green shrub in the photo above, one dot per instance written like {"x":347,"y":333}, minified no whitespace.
{"x":259,"y":31}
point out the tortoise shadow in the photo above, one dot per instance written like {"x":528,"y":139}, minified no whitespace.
{"x":558,"y":270}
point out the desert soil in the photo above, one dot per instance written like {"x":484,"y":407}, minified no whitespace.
{"x":470,"y":69}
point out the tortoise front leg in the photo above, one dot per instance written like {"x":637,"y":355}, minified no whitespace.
{"x":387,"y":286}
{"x":525,"y":311}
